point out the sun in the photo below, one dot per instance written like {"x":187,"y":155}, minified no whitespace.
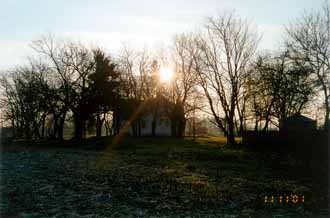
{"x":165,"y":74}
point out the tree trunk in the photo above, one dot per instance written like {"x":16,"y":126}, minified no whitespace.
{"x":36,"y":131}
{"x":194,"y":129}
{"x":153,"y":127}
{"x":154,"y":120}
{"x":61,"y":127}
{"x":181,"y":128}
{"x":78,"y":126}
{"x":266,"y":124}
{"x":231,"y":135}
{"x":99,"y":124}
{"x":231,"y":122}
{"x":43,"y":122}
{"x":134,"y":128}
{"x":14,"y":128}
{"x":139,"y":127}
{"x":327,"y":112}
{"x":241,"y":127}
{"x":173,"y":127}
{"x":116,"y":121}
{"x":326,"y":119}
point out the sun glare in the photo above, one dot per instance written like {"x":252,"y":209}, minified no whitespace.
{"x":165,"y":74}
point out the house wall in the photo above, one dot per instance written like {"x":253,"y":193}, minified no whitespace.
{"x":163,"y":127}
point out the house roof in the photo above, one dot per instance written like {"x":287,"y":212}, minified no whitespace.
{"x":299,"y":117}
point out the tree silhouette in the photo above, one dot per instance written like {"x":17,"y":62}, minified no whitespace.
{"x":102,"y":86}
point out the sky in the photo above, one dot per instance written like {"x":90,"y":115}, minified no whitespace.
{"x":144,"y":23}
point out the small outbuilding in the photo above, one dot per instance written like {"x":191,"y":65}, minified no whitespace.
{"x":299,"y":123}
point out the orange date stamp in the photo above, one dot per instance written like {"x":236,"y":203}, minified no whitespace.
{"x":284,"y":199}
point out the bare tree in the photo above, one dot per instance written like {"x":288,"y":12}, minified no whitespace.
{"x":52,"y":53}
{"x":10,"y":104}
{"x":226,"y":49}
{"x":182,"y":89}
{"x":71,"y":65}
{"x":25,"y":100}
{"x":309,"y":43}
{"x":139,"y":71}
{"x":262,"y":87}
{"x":280,"y":87}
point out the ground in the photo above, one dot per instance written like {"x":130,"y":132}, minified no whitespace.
{"x":155,"y":177}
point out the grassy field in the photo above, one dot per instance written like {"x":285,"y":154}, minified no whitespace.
{"x":156,"y":177}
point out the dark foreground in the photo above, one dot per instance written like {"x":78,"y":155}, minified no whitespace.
{"x":164,"y":177}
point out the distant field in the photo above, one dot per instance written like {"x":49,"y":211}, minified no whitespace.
{"x":155,"y":177}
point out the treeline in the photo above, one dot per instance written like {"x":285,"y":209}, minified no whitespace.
{"x":69,"y":83}
{"x":68,"y":78}
{"x":217,"y":71}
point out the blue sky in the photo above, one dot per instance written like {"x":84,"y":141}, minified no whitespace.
{"x":144,"y":23}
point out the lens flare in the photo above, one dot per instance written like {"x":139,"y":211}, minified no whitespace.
{"x":166,"y":74}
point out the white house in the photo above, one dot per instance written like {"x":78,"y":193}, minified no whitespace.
{"x":163,"y":126}
{"x":163,"y":122}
